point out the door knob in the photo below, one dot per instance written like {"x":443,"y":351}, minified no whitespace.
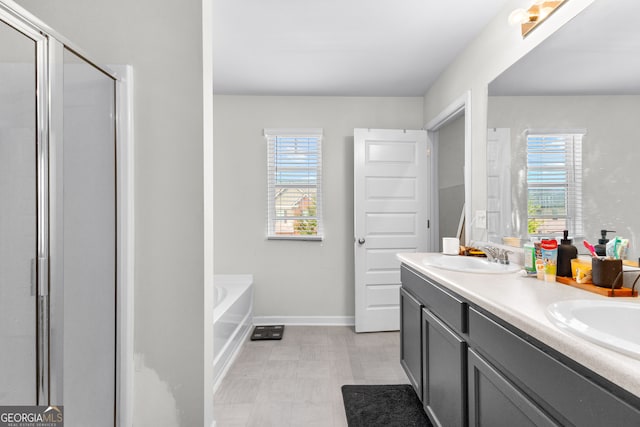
{"x":361,"y":241}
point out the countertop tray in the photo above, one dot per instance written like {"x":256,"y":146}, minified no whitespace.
{"x":607,"y":292}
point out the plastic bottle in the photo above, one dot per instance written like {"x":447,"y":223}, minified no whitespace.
{"x":601,"y":247}
{"x":539,"y":262}
{"x":529,"y":257}
{"x":550,"y":259}
{"x":566,"y":252}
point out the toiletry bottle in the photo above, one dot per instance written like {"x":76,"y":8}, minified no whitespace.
{"x":601,"y":247}
{"x":529,"y":257}
{"x":566,"y":252}
{"x":539,"y":262}
{"x":550,"y":259}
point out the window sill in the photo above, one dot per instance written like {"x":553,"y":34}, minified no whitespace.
{"x":303,"y":238}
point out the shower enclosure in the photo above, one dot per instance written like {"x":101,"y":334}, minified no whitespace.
{"x":58,"y":224}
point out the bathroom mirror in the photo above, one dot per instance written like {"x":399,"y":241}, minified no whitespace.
{"x":583,"y":80}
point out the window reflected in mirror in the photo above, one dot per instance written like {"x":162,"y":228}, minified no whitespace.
{"x":554,"y":183}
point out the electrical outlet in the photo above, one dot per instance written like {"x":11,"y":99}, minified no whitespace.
{"x":481,"y":219}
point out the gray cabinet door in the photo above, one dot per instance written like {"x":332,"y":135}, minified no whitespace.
{"x":494,"y":402}
{"x":443,"y":372}
{"x":410,"y":339}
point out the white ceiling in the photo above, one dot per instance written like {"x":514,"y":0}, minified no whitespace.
{"x":340,"y":47}
{"x":596,"y":53}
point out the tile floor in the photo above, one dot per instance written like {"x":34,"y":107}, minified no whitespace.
{"x":296,"y":381}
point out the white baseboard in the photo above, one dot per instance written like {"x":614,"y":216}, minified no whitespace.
{"x":305,"y":320}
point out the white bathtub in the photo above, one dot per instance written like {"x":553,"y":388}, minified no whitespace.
{"x":232,"y":319}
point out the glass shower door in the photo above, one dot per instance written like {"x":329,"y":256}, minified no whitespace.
{"x":58,"y":248}
{"x":18,"y":218}
{"x":89,"y":240}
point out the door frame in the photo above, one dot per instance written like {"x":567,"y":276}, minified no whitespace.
{"x":459,"y":107}
{"x":125,"y":235}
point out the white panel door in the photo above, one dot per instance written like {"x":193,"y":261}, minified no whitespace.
{"x":390,"y":214}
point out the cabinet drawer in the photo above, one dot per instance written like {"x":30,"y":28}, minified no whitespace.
{"x":446,"y":305}
{"x":556,"y":387}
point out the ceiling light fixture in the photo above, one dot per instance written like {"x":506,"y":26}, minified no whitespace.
{"x":530,"y":18}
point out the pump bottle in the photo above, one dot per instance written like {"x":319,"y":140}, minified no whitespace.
{"x":601,"y":247}
{"x":566,"y":252}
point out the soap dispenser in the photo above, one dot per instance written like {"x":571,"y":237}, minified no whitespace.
{"x":566,"y":252}
{"x":601,"y":247}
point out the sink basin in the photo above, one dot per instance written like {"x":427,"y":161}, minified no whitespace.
{"x":472,"y":265}
{"x":612,"y":324}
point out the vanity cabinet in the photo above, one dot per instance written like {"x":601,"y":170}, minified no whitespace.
{"x":442,"y":350}
{"x":476,"y":369}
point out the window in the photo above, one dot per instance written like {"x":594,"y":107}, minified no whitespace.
{"x":294,"y":183}
{"x":554,"y":183}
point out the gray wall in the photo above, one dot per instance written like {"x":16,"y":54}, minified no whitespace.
{"x":450,"y":177}
{"x":293,"y":278}
{"x":163,"y":42}
{"x":610,"y":169}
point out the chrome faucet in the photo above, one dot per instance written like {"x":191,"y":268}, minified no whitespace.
{"x":503,"y":256}
{"x":492,"y":253}
{"x":496,"y":254}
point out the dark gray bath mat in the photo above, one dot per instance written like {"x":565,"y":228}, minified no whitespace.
{"x":271,"y":332}
{"x":383,"y":405}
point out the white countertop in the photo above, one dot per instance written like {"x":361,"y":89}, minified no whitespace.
{"x":522,"y":301}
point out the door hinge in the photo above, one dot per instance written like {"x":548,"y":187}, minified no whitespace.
{"x":428,"y":223}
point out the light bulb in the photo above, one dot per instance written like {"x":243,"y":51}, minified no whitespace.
{"x":518,"y":16}
{"x":544,"y":12}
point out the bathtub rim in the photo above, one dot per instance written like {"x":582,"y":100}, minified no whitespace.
{"x":235,"y":285}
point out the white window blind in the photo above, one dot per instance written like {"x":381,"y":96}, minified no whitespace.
{"x":554,"y":183}
{"x":294,"y":190}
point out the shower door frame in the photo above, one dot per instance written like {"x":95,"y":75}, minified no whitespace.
{"x":49,"y":135}
{"x":42,"y":254}
{"x":41,"y":265}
